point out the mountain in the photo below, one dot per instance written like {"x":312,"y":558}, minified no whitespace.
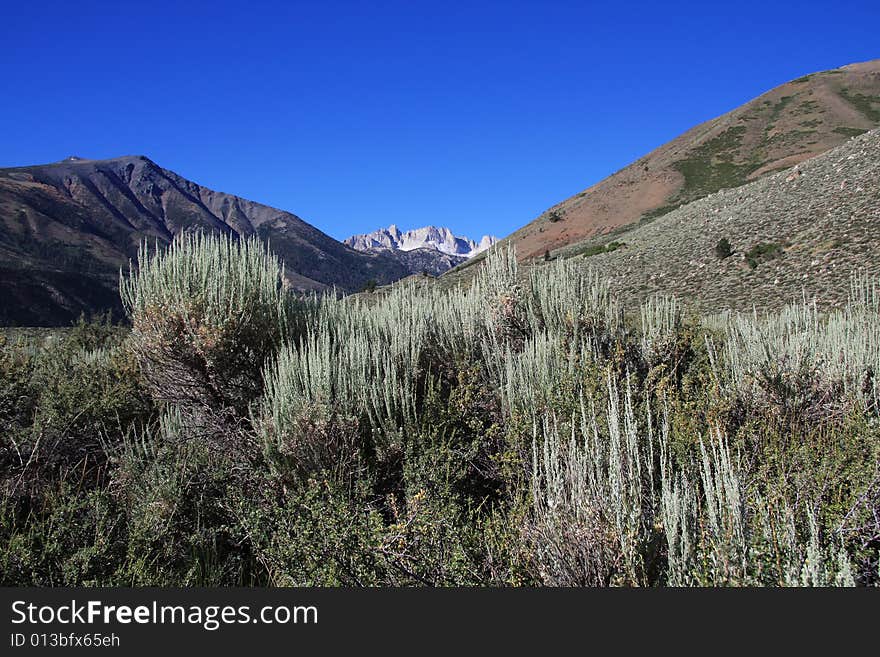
{"x":425,"y":260}
{"x":428,"y":250}
{"x":429,"y":237}
{"x":802,"y":231}
{"x":67,"y":228}
{"x":787,"y":125}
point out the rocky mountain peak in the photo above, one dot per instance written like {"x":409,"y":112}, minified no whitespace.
{"x":428,"y":237}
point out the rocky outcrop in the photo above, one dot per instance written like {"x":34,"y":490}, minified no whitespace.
{"x":429,"y":237}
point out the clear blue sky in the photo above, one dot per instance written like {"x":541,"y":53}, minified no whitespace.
{"x":354,"y":115}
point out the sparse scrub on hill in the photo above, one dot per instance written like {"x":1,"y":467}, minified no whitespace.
{"x":867,"y":105}
{"x":711,"y":166}
{"x":761,"y":253}
{"x":810,"y":227}
{"x":524,"y":429}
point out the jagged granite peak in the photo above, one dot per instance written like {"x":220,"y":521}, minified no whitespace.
{"x":428,"y":237}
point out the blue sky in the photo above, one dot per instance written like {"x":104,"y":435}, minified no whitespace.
{"x":355,"y":115}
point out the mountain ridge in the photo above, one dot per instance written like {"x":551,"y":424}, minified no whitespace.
{"x":67,"y":228}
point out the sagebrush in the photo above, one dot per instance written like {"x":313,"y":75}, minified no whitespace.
{"x":527,"y":428}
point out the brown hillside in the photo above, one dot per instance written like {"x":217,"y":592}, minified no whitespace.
{"x":798,"y":233}
{"x":783,"y":127}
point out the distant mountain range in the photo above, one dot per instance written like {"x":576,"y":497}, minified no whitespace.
{"x":66,"y":230}
{"x":787,"y":125}
{"x":430,"y":249}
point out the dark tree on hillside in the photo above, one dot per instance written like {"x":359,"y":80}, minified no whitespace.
{"x":722,"y":249}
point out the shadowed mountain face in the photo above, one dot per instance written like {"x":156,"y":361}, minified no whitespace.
{"x":787,"y":125}
{"x":67,"y":228}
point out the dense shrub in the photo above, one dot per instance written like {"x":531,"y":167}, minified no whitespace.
{"x":524,"y":429}
{"x":598,"y":249}
{"x":206,"y":315}
{"x":723,"y":249}
{"x":62,"y":405}
{"x":762,"y":252}
{"x":68,"y":537}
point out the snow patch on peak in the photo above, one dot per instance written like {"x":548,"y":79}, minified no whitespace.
{"x":429,"y":237}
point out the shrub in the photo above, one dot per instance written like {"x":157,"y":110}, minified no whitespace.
{"x":85,"y":401}
{"x":592,"y":520}
{"x":69,"y":537}
{"x":762,"y":252}
{"x":93,"y":333}
{"x":522,"y":429}
{"x":17,"y":392}
{"x":598,"y":249}
{"x":723,"y":249}
{"x":206,"y":315}
{"x":179,"y":491}
{"x":61,"y":406}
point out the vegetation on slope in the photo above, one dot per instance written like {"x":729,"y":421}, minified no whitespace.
{"x":783,"y":127}
{"x":520,"y":431}
{"x":797,"y":232}
{"x":517,"y":432}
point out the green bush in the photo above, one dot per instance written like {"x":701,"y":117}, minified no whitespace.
{"x":761,"y":253}
{"x":723,"y":249}
{"x":207,"y":313}
{"x":598,"y":249}
{"x":70,"y":537}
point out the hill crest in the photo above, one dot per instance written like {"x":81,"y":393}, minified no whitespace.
{"x":787,"y":125}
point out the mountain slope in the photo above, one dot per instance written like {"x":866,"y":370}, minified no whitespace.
{"x":67,"y":228}
{"x":426,"y":260}
{"x":787,"y":125}
{"x":805,"y":230}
